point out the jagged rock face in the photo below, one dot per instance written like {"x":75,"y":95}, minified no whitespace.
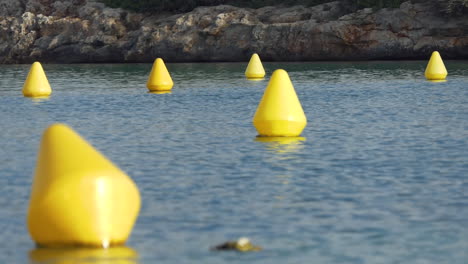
{"x":75,"y":31}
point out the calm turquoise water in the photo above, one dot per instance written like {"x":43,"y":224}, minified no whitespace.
{"x":380,"y":175}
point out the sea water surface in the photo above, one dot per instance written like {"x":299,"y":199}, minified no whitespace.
{"x":379,"y":175}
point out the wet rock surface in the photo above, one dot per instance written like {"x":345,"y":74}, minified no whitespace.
{"x":83,"y":31}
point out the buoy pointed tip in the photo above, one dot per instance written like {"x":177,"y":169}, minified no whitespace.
{"x":36,"y":66}
{"x":57,"y":127}
{"x":278,"y":71}
{"x":280,"y":74}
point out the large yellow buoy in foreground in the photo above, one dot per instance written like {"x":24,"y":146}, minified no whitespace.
{"x":36,"y":84}
{"x":159,"y":78}
{"x":435,"y":69}
{"x":279,"y":113}
{"x":255,"y":68}
{"x":79,"y":198}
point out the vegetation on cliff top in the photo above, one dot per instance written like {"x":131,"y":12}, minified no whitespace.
{"x":450,"y":7}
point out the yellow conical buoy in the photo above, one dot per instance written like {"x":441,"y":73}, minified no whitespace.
{"x":279,"y":113}
{"x":36,"y":84}
{"x":435,"y":69}
{"x":255,"y":68}
{"x":78,"y":197}
{"x":159,"y":79}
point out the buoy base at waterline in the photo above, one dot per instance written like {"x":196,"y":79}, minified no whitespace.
{"x":279,"y":128}
{"x":256,"y":79}
{"x":436,"y":77}
{"x":160,"y":92}
{"x":117,"y":255}
{"x":159,"y":88}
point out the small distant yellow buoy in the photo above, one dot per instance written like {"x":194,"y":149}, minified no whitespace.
{"x":159,"y":78}
{"x":435,"y":69}
{"x":279,"y":113}
{"x":36,"y":84}
{"x":255,"y":68}
{"x":78,"y":197}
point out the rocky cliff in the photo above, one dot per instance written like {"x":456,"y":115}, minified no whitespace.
{"x":79,"y":31}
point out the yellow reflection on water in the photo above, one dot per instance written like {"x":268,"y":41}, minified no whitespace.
{"x":41,"y":99}
{"x":255,"y":79}
{"x":114,"y":255}
{"x":437,"y":81}
{"x":160,"y":92}
{"x":283,"y":179}
{"x":282,"y":144}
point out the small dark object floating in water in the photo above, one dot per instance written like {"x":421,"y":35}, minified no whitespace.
{"x":242,"y":244}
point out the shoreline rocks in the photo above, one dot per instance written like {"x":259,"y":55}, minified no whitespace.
{"x":85,"y":31}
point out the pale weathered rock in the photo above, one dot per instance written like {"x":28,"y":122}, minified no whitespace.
{"x":70,"y":31}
